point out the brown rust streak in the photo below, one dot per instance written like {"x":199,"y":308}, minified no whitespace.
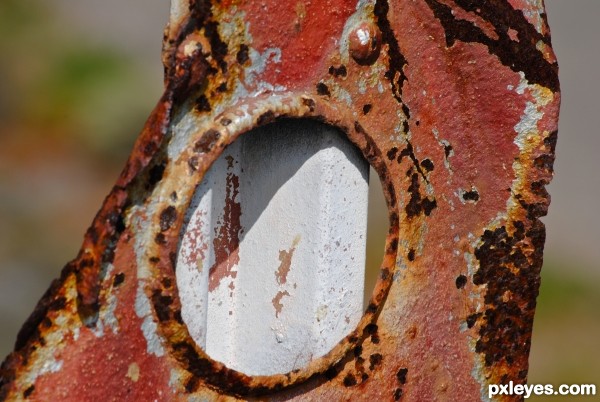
{"x":285,"y":258}
{"x":277,"y":302}
{"x":486,"y":27}
{"x":227,"y":235}
{"x":510,"y":259}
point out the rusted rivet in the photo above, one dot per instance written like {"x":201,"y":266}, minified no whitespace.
{"x":364,"y":43}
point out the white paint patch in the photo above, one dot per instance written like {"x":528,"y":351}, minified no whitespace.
{"x":188,"y":122}
{"x":528,"y":123}
{"x":142,"y":237}
{"x":259,"y":62}
{"x":108,"y":316}
{"x":343,"y":95}
{"x":46,"y":365}
{"x":149,"y":327}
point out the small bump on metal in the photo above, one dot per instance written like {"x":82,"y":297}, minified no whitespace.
{"x":365,"y":43}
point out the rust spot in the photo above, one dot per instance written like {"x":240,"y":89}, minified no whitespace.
{"x":188,"y":74}
{"x":427,"y":164}
{"x":202,"y":104}
{"x":401,"y":375}
{"x":266,"y":118}
{"x":397,"y":394}
{"x":349,"y":380}
{"x":367,"y":108}
{"x":371,"y":329}
{"x":447,"y":150}
{"x":331,"y":373}
{"x":160,"y":239}
{"x":375,"y":360}
{"x":193,"y":164}
{"x":227,"y":234}
{"x":472,"y":319}
{"x":155,"y":175}
{"x":277,"y":302}
{"x":508,"y":263}
{"x":412,"y":332}
{"x":58,"y":304}
{"x":385,"y":274}
{"x":285,"y":258}
{"x":191,"y":384}
{"x":242,"y":54}
{"x":162,"y":305}
{"x":46,"y":323}
{"x":119,"y":279}
{"x":461,"y":281}
{"x":395,"y":73}
{"x":338,"y":71}
{"x":27,"y":393}
{"x":416,"y":205}
{"x":323,"y":89}
{"x":167,"y":218}
{"x":471,"y":195}
{"x":207,"y":141}
{"x":309,"y":103}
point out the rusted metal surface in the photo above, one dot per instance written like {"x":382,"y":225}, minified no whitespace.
{"x":454,"y":103}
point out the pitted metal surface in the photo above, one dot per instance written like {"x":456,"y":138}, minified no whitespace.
{"x":454,"y":103}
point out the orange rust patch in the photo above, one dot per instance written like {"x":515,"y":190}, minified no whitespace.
{"x":277,"y":302}
{"x":285,"y":257}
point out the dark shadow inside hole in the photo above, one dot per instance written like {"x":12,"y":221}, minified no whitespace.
{"x":377,"y":228}
{"x":263,"y":140}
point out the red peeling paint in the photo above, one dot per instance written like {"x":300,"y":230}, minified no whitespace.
{"x":302,"y":37}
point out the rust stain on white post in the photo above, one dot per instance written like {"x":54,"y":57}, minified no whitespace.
{"x":271,"y":267}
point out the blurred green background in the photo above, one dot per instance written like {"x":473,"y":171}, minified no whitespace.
{"x":78,"y":79}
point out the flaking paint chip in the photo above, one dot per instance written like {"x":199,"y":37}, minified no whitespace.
{"x":133,"y":372}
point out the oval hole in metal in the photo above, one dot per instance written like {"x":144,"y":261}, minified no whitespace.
{"x":271,"y":266}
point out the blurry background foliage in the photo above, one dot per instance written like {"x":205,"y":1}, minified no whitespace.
{"x":59,"y":86}
{"x":78,"y":79}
